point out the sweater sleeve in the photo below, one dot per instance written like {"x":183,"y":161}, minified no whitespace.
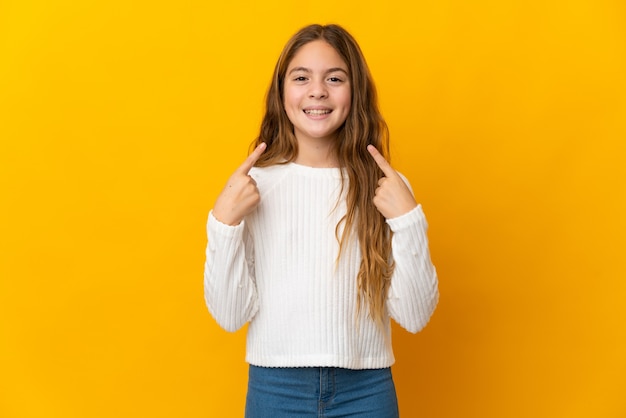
{"x":229,"y":287}
{"x":413,"y":293}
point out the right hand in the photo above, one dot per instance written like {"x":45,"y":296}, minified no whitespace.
{"x":240,"y":195}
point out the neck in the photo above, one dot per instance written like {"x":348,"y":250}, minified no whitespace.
{"x":316,"y":153}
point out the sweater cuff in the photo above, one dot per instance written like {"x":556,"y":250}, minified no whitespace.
{"x":412,"y":217}
{"x":221,"y":230}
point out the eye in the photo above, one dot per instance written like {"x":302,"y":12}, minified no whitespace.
{"x":300,"y":78}
{"x":335,"y":79}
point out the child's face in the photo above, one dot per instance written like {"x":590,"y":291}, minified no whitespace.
{"x":317,"y":92}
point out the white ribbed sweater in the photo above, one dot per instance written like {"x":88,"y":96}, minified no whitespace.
{"x":277,"y":269}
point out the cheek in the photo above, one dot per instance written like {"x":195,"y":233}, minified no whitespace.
{"x":348,"y":98}
{"x":290,"y":110}
{"x":290,"y":102}
{"x":348,"y":101}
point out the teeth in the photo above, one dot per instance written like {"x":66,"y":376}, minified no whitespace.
{"x":317,"y":112}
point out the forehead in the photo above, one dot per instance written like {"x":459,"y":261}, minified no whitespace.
{"x":317,"y":55}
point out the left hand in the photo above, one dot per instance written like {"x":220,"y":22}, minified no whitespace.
{"x":393,"y":198}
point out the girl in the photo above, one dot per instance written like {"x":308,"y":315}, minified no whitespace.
{"x":317,"y":242}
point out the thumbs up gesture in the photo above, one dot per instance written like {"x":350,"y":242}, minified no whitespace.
{"x":392,"y":198}
{"x":240,"y":195}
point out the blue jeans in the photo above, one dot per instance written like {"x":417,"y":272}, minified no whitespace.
{"x":320,"y":392}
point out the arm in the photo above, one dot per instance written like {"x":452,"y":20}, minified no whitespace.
{"x":413,"y":293}
{"x":229,"y":287}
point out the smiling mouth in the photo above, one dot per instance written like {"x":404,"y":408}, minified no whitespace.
{"x":317,"y":112}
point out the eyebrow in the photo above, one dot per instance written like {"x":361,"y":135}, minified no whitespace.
{"x":308,"y":70}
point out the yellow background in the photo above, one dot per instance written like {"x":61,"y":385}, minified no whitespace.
{"x":120,"y":121}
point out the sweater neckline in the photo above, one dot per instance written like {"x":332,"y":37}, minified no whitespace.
{"x":316,"y":171}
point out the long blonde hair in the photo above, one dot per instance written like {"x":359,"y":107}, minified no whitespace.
{"x":364,"y":125}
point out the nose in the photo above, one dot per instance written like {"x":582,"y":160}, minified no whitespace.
{"x":318,"y":90}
